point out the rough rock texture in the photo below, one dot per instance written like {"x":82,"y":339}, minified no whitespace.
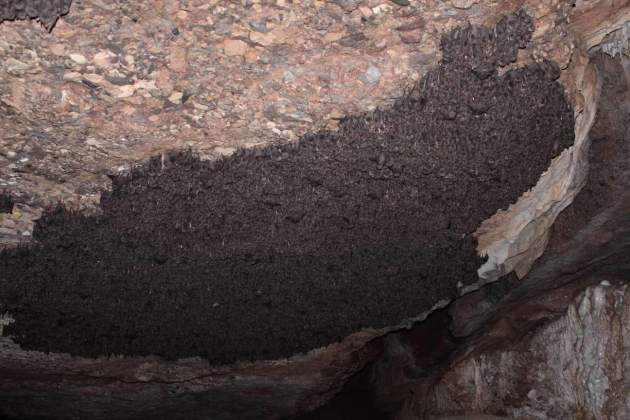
{"x":151,"y":388}
{"x":575,"y":367}
{"x":518,"y":338}
{"x":47,"y":11}
{"x":277,"y":251}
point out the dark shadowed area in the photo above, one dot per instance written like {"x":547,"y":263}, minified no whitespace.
{"x":47,"y":11}
{"x":276,"y":251}
{"x":6,"y":203}
{"x":607,"y":182}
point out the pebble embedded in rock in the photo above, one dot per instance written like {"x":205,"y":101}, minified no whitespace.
{"x":259,"y":26}
{"x":234,"y":47}
{"x":353,"y":40}
{"x":411,"y":37}
{"x":176,"y":97}
{"x":15,"y":67}
{"x":348,"y":5}
{"x":401,"y":2}
{"x":463,"y":4}
{"x":78,"y":58}
{"x":58,"y":49}
{"x":103,"y":58}
{"x":366,"y":12}
{"x":417,"y":23}
{"x":178,"y":58}
{"x":373,"y":74}
{"x":288,"y":77}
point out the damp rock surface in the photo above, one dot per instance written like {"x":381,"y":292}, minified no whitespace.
{"x":275,"y":251}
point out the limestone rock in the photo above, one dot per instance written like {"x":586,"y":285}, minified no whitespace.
{"x":577,"y":364}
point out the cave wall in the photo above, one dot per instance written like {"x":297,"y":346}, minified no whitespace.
{"x":77,"y":107}
{"x":544,"y":347}
{"x":516,"y":238}
{"x":574,"y":367}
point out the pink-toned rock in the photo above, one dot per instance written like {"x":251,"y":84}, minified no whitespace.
{"x":234,"y":47}
{"x":411,"y":37}
{"x":178,"y":58}
{"x":58,"y":49}
{"x":263,"y":39}
{"x":104,"y":58}
{"x":164,"y":82}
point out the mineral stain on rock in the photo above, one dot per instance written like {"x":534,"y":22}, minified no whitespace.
{"x":275,"y":251}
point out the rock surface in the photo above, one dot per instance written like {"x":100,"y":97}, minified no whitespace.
{"x":579,"y":363}
{"x":150,"y":388}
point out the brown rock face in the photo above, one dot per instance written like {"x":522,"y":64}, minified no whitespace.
{"x":575,"y":364}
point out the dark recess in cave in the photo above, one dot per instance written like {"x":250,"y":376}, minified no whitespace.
{"x":356,"y":400}
{"x":609,"y":152}
{"x":277,"y":251}
{"x":47,"y":11}
{"x":380,"y":389}
{"x":6,"y":203}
